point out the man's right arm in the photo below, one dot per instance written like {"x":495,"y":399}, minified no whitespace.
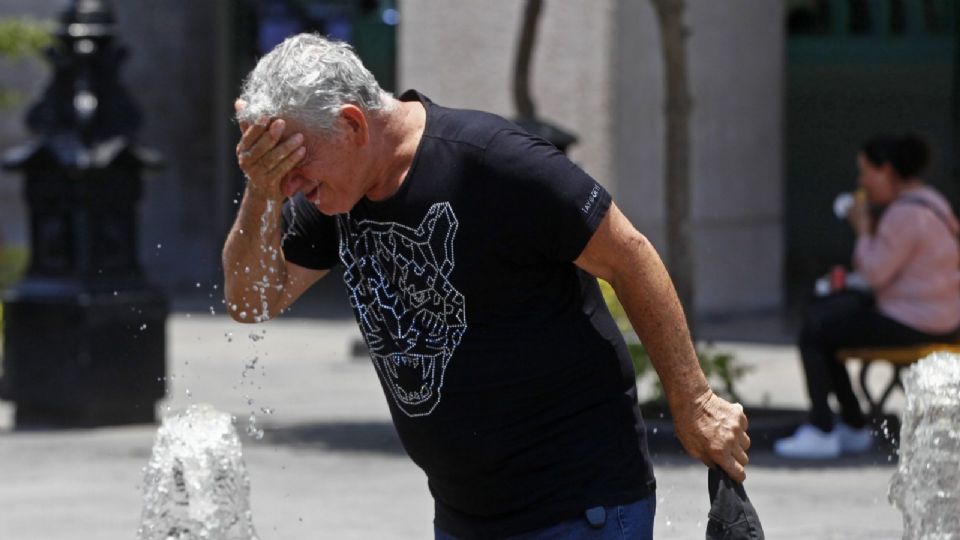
{"x":259,"y":282}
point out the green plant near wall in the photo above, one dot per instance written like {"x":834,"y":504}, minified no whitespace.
{"x":13,"y":264}
{"x":721,"y":368}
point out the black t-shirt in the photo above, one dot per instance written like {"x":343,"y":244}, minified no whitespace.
{"x":508,"y":381}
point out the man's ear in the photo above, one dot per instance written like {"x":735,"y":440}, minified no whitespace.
{"x":355,"y":124}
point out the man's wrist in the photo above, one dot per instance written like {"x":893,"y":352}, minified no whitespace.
{"x":260,"y":195}
{"x":685,"y":404}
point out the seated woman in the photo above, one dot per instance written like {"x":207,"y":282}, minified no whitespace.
{"x":910,"y":259}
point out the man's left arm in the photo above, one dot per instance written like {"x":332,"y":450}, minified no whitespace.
{"x":710,"y":428}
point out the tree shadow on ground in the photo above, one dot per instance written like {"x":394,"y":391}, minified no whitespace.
{"x":340,"y":436}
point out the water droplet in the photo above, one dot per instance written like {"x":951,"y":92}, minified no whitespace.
{"x":198,"y":284}
{"x":254,"y":337}
{"x":212,"y":312}
{"x":655,"y":430}
{"x":114,"y":293}
{"x":143,"y":327}
{"x":188,"y":393}
{"x":159,"y":246}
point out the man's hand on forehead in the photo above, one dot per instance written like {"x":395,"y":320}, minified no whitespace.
{"x":267,"y":154}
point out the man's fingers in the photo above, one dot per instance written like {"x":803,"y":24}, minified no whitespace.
{"x":289,"y":186}
{"x":740,"y":455}
{"x":289,"y":162}
{"x":258,"y":140}
{"x":251,"y":134}
{"x":238,"y":106}
{"x":270,"y":170}
{"x":744,"y":440}
{"x":735,"y":470}
{"x":744,"y":423}
{"x":277,"y":158}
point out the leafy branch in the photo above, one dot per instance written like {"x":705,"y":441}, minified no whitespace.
{"x":21,"y":38}
{"x":721,"y":368}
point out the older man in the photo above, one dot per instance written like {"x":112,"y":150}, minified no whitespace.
{"x":470,"y":250}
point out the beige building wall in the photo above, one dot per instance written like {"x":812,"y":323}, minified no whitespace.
{"x":461,"y":54}
{"x":598,"y":72}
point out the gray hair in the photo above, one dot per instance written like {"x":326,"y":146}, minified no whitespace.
{"x":308,"y":78}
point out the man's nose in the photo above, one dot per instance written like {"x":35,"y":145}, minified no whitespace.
{"x":291,"y":183}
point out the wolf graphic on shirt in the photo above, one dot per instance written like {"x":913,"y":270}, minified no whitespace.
{"x":411,"y":315}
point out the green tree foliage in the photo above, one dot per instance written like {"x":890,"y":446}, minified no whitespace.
{"x":21,"y":38}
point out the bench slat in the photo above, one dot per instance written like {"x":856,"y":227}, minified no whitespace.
{"x":896,"y":355}
{"x":899,"y":357}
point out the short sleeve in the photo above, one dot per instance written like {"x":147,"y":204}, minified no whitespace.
{"x":309,"y":237}
{"x":547,"y":205}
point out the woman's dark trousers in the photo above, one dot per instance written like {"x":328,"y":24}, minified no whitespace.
{"x":839,"y":321}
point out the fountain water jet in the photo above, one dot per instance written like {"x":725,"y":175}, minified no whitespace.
{"x":926,"y":486}
{"x":196,"y":485}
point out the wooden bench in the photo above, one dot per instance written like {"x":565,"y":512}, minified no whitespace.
{"x":898,"y":357}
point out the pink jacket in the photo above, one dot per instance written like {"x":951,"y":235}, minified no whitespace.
{"x":912,"y":262}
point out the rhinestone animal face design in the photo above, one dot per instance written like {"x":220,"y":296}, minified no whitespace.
{"x":410,"y":314}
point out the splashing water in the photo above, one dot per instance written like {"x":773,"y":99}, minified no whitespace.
{"x":196,"y":485}
{"x":266,"y":226}
{"x":926,"y":486}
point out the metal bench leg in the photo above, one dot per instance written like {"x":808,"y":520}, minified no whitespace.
{"x":876,"y":406}
{"x":864,"y":389}
{"x":895,"y":382}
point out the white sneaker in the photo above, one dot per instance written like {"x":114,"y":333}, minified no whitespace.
{"x":809,"y":442}
{"x":854,"y":441}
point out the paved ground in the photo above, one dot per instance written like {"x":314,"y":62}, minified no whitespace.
{"x":330,"y":465}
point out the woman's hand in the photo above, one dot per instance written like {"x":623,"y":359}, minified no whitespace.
{"x":859,"y":217}
{"x":265,"y":158}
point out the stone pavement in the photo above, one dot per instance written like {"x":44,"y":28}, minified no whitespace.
{"x":330,"y":465}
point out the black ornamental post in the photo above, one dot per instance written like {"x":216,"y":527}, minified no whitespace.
{"x":84,"y":339}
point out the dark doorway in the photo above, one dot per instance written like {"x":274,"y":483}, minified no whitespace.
{"x":856,"y":68}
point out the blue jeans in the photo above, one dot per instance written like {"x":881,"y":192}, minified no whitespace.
{"x":625,"y":522}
